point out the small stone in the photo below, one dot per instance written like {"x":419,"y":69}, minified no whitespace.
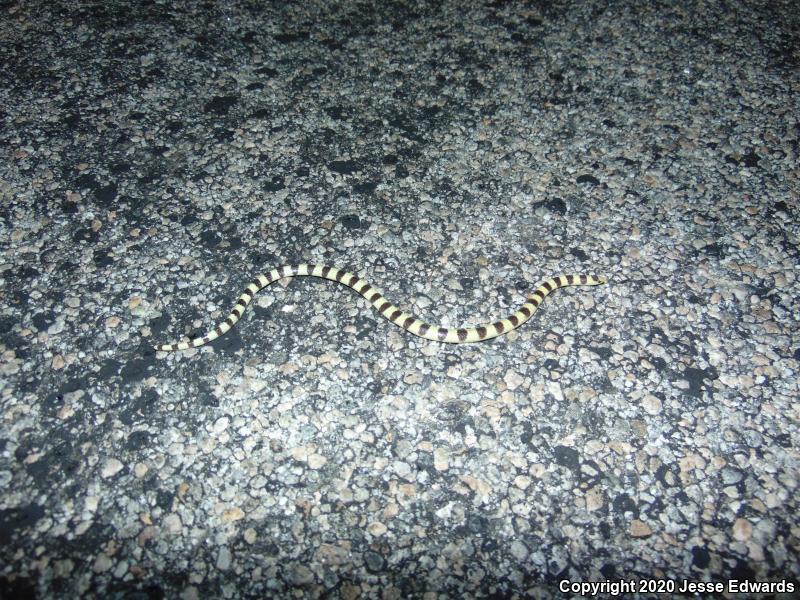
{"x":190,"y":593}
{"x":403,"y":469}
{"x":755,"y":552}
{"x":91,"y":503}
{"x":412,"y":378}
{"x":639,"y":427}
{"x":299,"y":453}
{"x":9,"y":364}
{"x":476,"y":485}
{"x":102,"y":563}
{"x":232,"y":514}
{"x":555,"y":390}
{"x":111,"y":467}
{"x":409,"y":490}
{"x":376,"y":528}
{"x":331,"y":555}
{"x":147,"y":534}
{"x":121,"y":570}
{"x":176,"y":449}
{"x":522,"y":481}
{"x":731,"y":476}
{"x":441,"y":459}
{"x":224,"y":559}
{"x":391,"y":592}
{"x":742,"y":530}
{"x":640,"y":528}
{"x":594,"y":499}
{"x":220,"y":425}
{"x":250,"y":535}
{"x":173,"y":523}
{"x":316,"y":461}
{"x":301,"y":575}
{"x":513,"y":379}
{"x":651,"y":404}
{"x":374,"y":562}
{"x":350,"y":591}
{"x":519,"y":550}
{"x":445,"y":511}
{"x":63,"y":568}
{"x":66,"y":411}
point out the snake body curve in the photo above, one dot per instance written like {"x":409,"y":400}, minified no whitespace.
{"x":412,"y":324}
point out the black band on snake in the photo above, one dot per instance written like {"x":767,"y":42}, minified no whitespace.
{"x":412,"y":324}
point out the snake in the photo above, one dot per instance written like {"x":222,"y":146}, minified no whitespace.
{"x":412,"y":324}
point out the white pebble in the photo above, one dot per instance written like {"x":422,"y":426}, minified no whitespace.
{"x":111,"y":468}
{"x":221,"y":424}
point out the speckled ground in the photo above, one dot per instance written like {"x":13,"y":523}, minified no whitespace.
{"x":158,"y":155}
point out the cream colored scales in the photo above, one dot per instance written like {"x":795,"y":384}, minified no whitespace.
{"x":412,"y":324}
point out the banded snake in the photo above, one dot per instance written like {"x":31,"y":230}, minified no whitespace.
{"x":412,"y":324}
